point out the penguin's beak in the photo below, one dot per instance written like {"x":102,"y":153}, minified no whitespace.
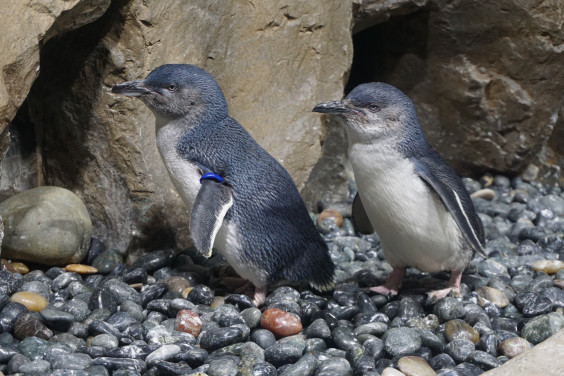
{"x":131,"y":88}
{"x":333,"y":107}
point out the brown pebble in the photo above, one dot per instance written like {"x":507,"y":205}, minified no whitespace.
{"x":32,"y":301}
{"x":20,"y":267}
{"x":415,"y":366}
{"x":548,"y":266}
{"x":280,"y":323}
{"x":7,"y":265}
{"x":331,"y":213}
{"x":136,"y":286}
{"x":217,"y":301}
{"x":489,"y":294}
{"x":188,"y":322}
{"x":177,"y":284}
{"x":28,"y":325}
{"x":559,"y":283}
{"x":486,"y":194}
{"x":514,"y":346}
{"x":458,"y":329}
{"x":81,"y":269}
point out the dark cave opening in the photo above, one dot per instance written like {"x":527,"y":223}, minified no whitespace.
{"x":393,"y":52}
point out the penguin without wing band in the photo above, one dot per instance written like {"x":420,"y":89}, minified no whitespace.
{"x":242,"y":201}
{"x":412,"y":198}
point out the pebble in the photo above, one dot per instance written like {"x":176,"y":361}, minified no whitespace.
{"x":483,"y":360}
{"x":548,"y":266}
{"x":106,"y":261}
{"x":330,"y":215}
{"x":10,"y":283}
{"x":486,"y":194}
{"x":9,"y":315}
{"x":458,"y":329}
{"x":29,"y":325}
{"x":401,"y":341}
{"x":541,"y":327}
{"x":389,"y":371}
{"x":163,"y":353}
{"x":280,"y":323}
{"x":32,"y":301}
{"x":415,"y":366}
{"x":201,"y":294}
{"x":81,"y":269}
{"x":514,"y":346}
{"x":333,"y":367}
{"x":306,"y":366}
{"x":217,"y":338}
{"x":489,"y":294}
{"x":283,"y":353}
{"x":15,"y":267}
{"x":188,"y":322}
{"x":459,"y":349}
{"x":448,"y":309}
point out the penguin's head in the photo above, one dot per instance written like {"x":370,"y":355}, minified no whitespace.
{"x":374,"y":110}
{"x":174,"y":91}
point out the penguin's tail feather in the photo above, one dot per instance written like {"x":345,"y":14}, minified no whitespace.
{"x":315,"y":266}
{"x":323,"y":287}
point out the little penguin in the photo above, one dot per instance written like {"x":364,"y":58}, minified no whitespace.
{"x":241,"y":200}
{"x":413,"y":200}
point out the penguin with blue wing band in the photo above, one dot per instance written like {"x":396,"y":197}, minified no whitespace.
{"x":241,"y":200}
{"x":412,"y":198}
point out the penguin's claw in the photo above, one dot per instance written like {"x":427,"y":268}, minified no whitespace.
{"x":452,"y":289}
{"x":383,"y":290}
{"x":434,"y":296}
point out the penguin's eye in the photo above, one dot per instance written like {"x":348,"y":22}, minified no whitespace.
{"x":373,"y":107}
{"x":171,"y":87}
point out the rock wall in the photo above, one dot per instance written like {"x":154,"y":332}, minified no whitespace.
{"x":486,"y":79}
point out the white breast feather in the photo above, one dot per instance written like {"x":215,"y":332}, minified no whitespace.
{"x":414,"y":226}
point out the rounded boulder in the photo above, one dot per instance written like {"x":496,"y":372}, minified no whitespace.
{"x":46,"y":225}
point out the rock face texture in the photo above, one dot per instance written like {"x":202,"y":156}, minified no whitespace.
{"x":486,"y":80}
{"x":46,"y":225}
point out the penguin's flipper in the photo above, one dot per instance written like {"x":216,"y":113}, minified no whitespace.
{"x":445,"y":184}
{"x":360,"y":219}
{"x":212,"y":203}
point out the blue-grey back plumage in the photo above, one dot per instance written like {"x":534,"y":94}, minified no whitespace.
{"x":414,"y":200}
{"x":250,"y":207}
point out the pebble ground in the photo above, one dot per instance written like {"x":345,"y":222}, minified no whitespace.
{"x":175,"y":313}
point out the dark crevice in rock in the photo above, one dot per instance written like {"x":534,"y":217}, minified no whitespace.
{"x":392,"y":52}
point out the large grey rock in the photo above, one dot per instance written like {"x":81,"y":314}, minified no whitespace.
{"x":46,"y":225}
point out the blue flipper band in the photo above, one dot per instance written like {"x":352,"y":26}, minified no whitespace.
{"x":211,"y":176}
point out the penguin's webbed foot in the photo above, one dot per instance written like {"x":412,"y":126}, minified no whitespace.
{"x":393,"y":284}
{"x":452,"y":289}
